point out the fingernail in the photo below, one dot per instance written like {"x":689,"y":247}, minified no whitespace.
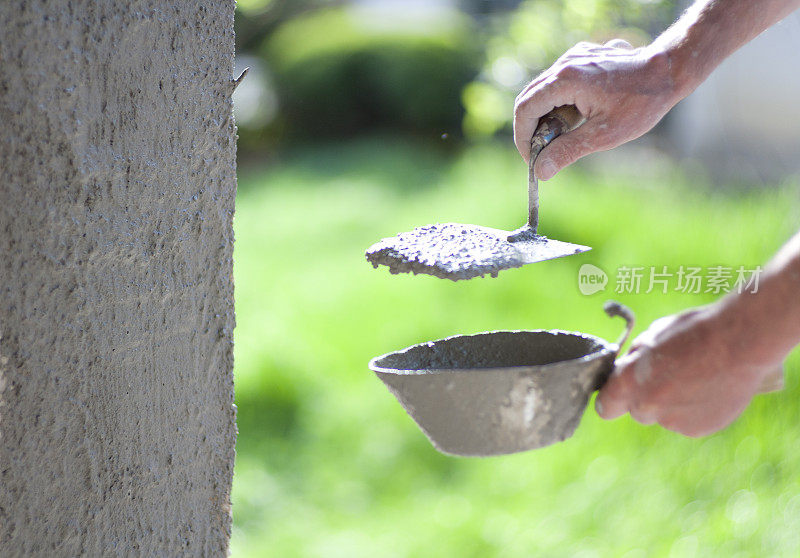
{"x":548,"y":169}
{"x":598,"y":406}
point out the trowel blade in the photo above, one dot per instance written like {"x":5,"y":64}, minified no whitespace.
{"x":456,"y":251}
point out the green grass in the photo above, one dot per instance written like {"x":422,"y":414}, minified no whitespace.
{"x":328,"y":463}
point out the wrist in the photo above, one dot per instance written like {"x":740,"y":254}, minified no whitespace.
{"x":667,"y":62}
{"x":746,"y":332}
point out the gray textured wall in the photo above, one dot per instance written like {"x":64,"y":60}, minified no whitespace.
{"x":117,"y":182}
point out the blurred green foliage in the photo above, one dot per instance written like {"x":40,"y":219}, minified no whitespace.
{"x":340,"y":71}
{"x":329,"y":465}
{"x":529,"y":40}
{"x":253,"y":6}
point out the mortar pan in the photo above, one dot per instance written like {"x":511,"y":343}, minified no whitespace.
{"x":501,"y":392}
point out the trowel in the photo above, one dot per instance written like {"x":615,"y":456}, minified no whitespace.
{"x":456,"y":251}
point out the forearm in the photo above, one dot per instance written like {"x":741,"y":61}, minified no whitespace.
{"x":710,"y":31}
{"x":765,"y":325}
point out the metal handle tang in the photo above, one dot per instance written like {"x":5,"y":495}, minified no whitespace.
{"x":614,"y":308}
{"x":556,"y":122}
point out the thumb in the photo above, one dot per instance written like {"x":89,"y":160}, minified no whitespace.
{"x":614,"y":399}
{"x":566,"y":149}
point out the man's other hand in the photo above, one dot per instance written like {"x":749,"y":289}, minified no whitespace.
{"x":621,"y":91}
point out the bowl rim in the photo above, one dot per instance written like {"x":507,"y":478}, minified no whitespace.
{"x":605,"y":348}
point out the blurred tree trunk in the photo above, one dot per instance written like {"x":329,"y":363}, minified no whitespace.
{"x":117,"y":183}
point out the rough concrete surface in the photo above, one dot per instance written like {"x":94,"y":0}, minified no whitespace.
{"x":117,"y":183}
{"x":455,"y":251}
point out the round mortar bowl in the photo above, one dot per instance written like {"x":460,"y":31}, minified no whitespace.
{"x":497,"y":392}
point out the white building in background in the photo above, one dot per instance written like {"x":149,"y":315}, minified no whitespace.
{"x":745,"y":119}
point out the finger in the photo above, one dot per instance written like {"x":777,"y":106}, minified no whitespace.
{"x":534,"y":82}
{"x":564,"y":150}
{"x":532,"y":105}
{"x":701,"y":418}
{"x":676,"y":422}
{"x":524,"y":123}
{"x":772,"y":381}
{"x":614,"y":399}
{"x":644,"y":414}
{"x":523,"y":127}
{"x":689,"y":427}
{"x":686,"y":422}
{"x":619,"y":43}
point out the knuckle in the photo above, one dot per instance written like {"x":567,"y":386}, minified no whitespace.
{"x":580,"y":50}
{"x":610,"y":405}
{"x":640,"y":407}
{"x":646,"y":408}
{"x":568,"y":72}
{"x":642,"y":418}
{"x":667,"y":424}
{"x":671,"y":422}
{"x":691,"y":431}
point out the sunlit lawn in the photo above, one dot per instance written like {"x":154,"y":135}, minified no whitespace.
{"x":328,"y":463}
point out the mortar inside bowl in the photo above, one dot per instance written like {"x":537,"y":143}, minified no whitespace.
{"x":499,"y":349}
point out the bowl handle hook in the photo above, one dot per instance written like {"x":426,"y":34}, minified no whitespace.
{"x":614,"y":308}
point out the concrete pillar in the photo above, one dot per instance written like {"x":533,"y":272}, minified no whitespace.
{"x":117,"y":183}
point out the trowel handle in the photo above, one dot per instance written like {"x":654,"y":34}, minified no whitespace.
{"x":556,"y":122}
{"x":614,"y":308}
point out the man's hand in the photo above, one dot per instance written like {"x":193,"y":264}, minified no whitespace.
{"x":622,"y":92}
{"x":689,"y":372}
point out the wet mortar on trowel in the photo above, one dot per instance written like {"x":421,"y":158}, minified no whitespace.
{"x":449,"y":251}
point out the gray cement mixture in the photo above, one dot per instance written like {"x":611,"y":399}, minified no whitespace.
{"x":455,"y":251}
{"x":497,"y":392}
{"x":501,"y":392}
